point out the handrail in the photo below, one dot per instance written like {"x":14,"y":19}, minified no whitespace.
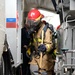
{"x":71,"y":20}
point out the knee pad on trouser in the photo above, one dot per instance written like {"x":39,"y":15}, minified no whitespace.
{"x":33,"y":69}
{"x":44,"y":73}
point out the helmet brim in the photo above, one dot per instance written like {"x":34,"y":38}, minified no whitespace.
{"x":40,"y":17}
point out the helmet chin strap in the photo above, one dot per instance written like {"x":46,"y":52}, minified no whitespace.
{"x":37,"y":27}
{"x":34,"y":29}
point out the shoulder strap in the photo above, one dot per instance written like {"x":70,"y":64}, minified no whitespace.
{"x":47,"y":25}
{"x":45,"y":28}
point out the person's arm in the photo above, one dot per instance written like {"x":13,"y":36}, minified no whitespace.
{"x":25,"y":38}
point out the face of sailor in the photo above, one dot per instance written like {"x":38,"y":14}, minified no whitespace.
{"x":32,"y":26}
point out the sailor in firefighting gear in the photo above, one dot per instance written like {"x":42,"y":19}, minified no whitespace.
{"x":41,"y":49}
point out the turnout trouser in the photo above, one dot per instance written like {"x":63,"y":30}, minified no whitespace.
{"x":34,"y":71}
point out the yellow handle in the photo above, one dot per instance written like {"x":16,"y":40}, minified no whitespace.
{"x":40,"y":61}
{"x":42,"y":36}
{"x":40,"y":64}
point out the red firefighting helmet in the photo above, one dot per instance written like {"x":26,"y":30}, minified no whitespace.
{"x":34,"y":15}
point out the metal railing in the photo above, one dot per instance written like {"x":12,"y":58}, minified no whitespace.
{"x":63,"y":68}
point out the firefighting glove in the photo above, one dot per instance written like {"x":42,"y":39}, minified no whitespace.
{"x":42,"y":48}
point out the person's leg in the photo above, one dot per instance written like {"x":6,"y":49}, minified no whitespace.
{"x":28,"y":70}
{"x":34,"y":69}
{"x":25,"y":65}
